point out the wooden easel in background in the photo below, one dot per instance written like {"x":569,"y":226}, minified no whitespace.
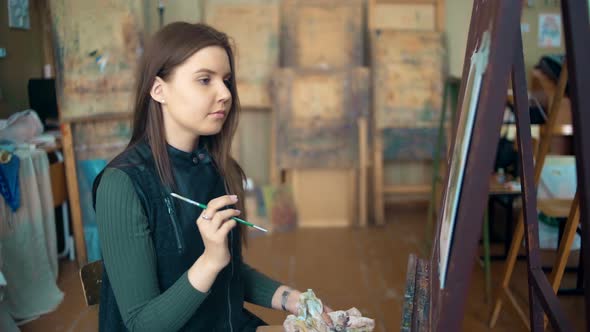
{"x":571,"y":224}
{"x":432,"y":307}
{"x":67,"y":127}
{"x":404,"y":18}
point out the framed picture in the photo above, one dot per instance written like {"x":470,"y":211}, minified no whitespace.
{"x":18,"y":14}
{"x":479,"y":61}
{"x":549,"y":31}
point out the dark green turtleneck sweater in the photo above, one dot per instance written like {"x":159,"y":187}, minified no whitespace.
{"x":131,"y":259}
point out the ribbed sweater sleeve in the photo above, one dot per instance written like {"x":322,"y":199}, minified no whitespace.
{"x":258,"y":287}
{"x":130,"y":261}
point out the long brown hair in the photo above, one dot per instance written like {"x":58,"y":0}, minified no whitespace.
{"x":169,"y":48}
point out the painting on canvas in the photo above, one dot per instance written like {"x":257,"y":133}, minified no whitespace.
{"x":460,"y":151}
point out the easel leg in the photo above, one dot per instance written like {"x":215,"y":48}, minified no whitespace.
{"x":529,"y":185}
{"x":378,"y":185}
{"x":73,"y":193}
{"x":536,"y":310}
{"x":541,"y":296}
{"x":543,"y":150}
{"x":508,"y":269}
{"x":567,"y":240}
{"x":362,"y":174}
{"x":275,"y":178}
{"x":575,"y":18}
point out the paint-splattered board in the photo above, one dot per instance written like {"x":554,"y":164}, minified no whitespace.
{"x":409,"y":143}
{"x":316,"y":116}
{"x":416,"y":306}
{"x":97,"y":45}
{"x":327,"y":33}
{"x":101,"y":139}
{"x":406,"y":16}
{"x":408,"y":78}
{"x":190,"y":11}
{"x":254,"y":27}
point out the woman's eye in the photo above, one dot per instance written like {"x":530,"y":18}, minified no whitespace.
{"x":205,"y":80}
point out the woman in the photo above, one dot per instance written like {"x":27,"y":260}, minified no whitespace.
{"x":169,"y":265}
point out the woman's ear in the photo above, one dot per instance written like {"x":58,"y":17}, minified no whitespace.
{"x":157,"y":91}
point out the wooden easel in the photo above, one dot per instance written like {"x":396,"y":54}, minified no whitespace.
{"x":431,"y":307}
{"x":66,"y":126}
{"x":571,"y":224}
{"x":402,"y":17}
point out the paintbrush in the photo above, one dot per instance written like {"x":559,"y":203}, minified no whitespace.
{"x":203,"y":206}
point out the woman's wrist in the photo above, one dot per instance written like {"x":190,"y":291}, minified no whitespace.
{"x":292,"y":300}
{"x":286,"y":298}
{"x":202,"y":274}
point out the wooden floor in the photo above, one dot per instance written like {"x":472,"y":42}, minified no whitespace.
{"x":363,"y":268}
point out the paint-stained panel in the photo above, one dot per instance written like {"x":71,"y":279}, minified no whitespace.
{"x":101,"y":139}
{"x":317,"y":112}
{"x":409,"y":143}
{"x":253,"y":26}
{"x":317,"y":97}
{"x":96,"y":54}
{"x":323,"y":34}
{"x":405,"y":16}
{"x":408,"y":78}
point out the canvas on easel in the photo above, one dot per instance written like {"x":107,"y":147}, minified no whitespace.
{"x":479,"y":62}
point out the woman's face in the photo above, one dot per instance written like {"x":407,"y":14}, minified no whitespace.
{"x":196,"y":98}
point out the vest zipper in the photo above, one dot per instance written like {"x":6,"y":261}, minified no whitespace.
{"x":173,"y":221}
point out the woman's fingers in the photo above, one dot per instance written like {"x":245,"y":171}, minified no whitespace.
{"x":225,"y":228}
{"x":212,"y":209}
{"x":220,"y":202}
{"x":327,"y":317}
{"x":222,"y":216}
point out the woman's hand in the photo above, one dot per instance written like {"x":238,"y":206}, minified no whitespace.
{"x":214,"y":225}
{"x":293,"y":301}
{"x":326,"y":317}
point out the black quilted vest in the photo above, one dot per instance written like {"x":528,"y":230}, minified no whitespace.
{"x":176,"y":238}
